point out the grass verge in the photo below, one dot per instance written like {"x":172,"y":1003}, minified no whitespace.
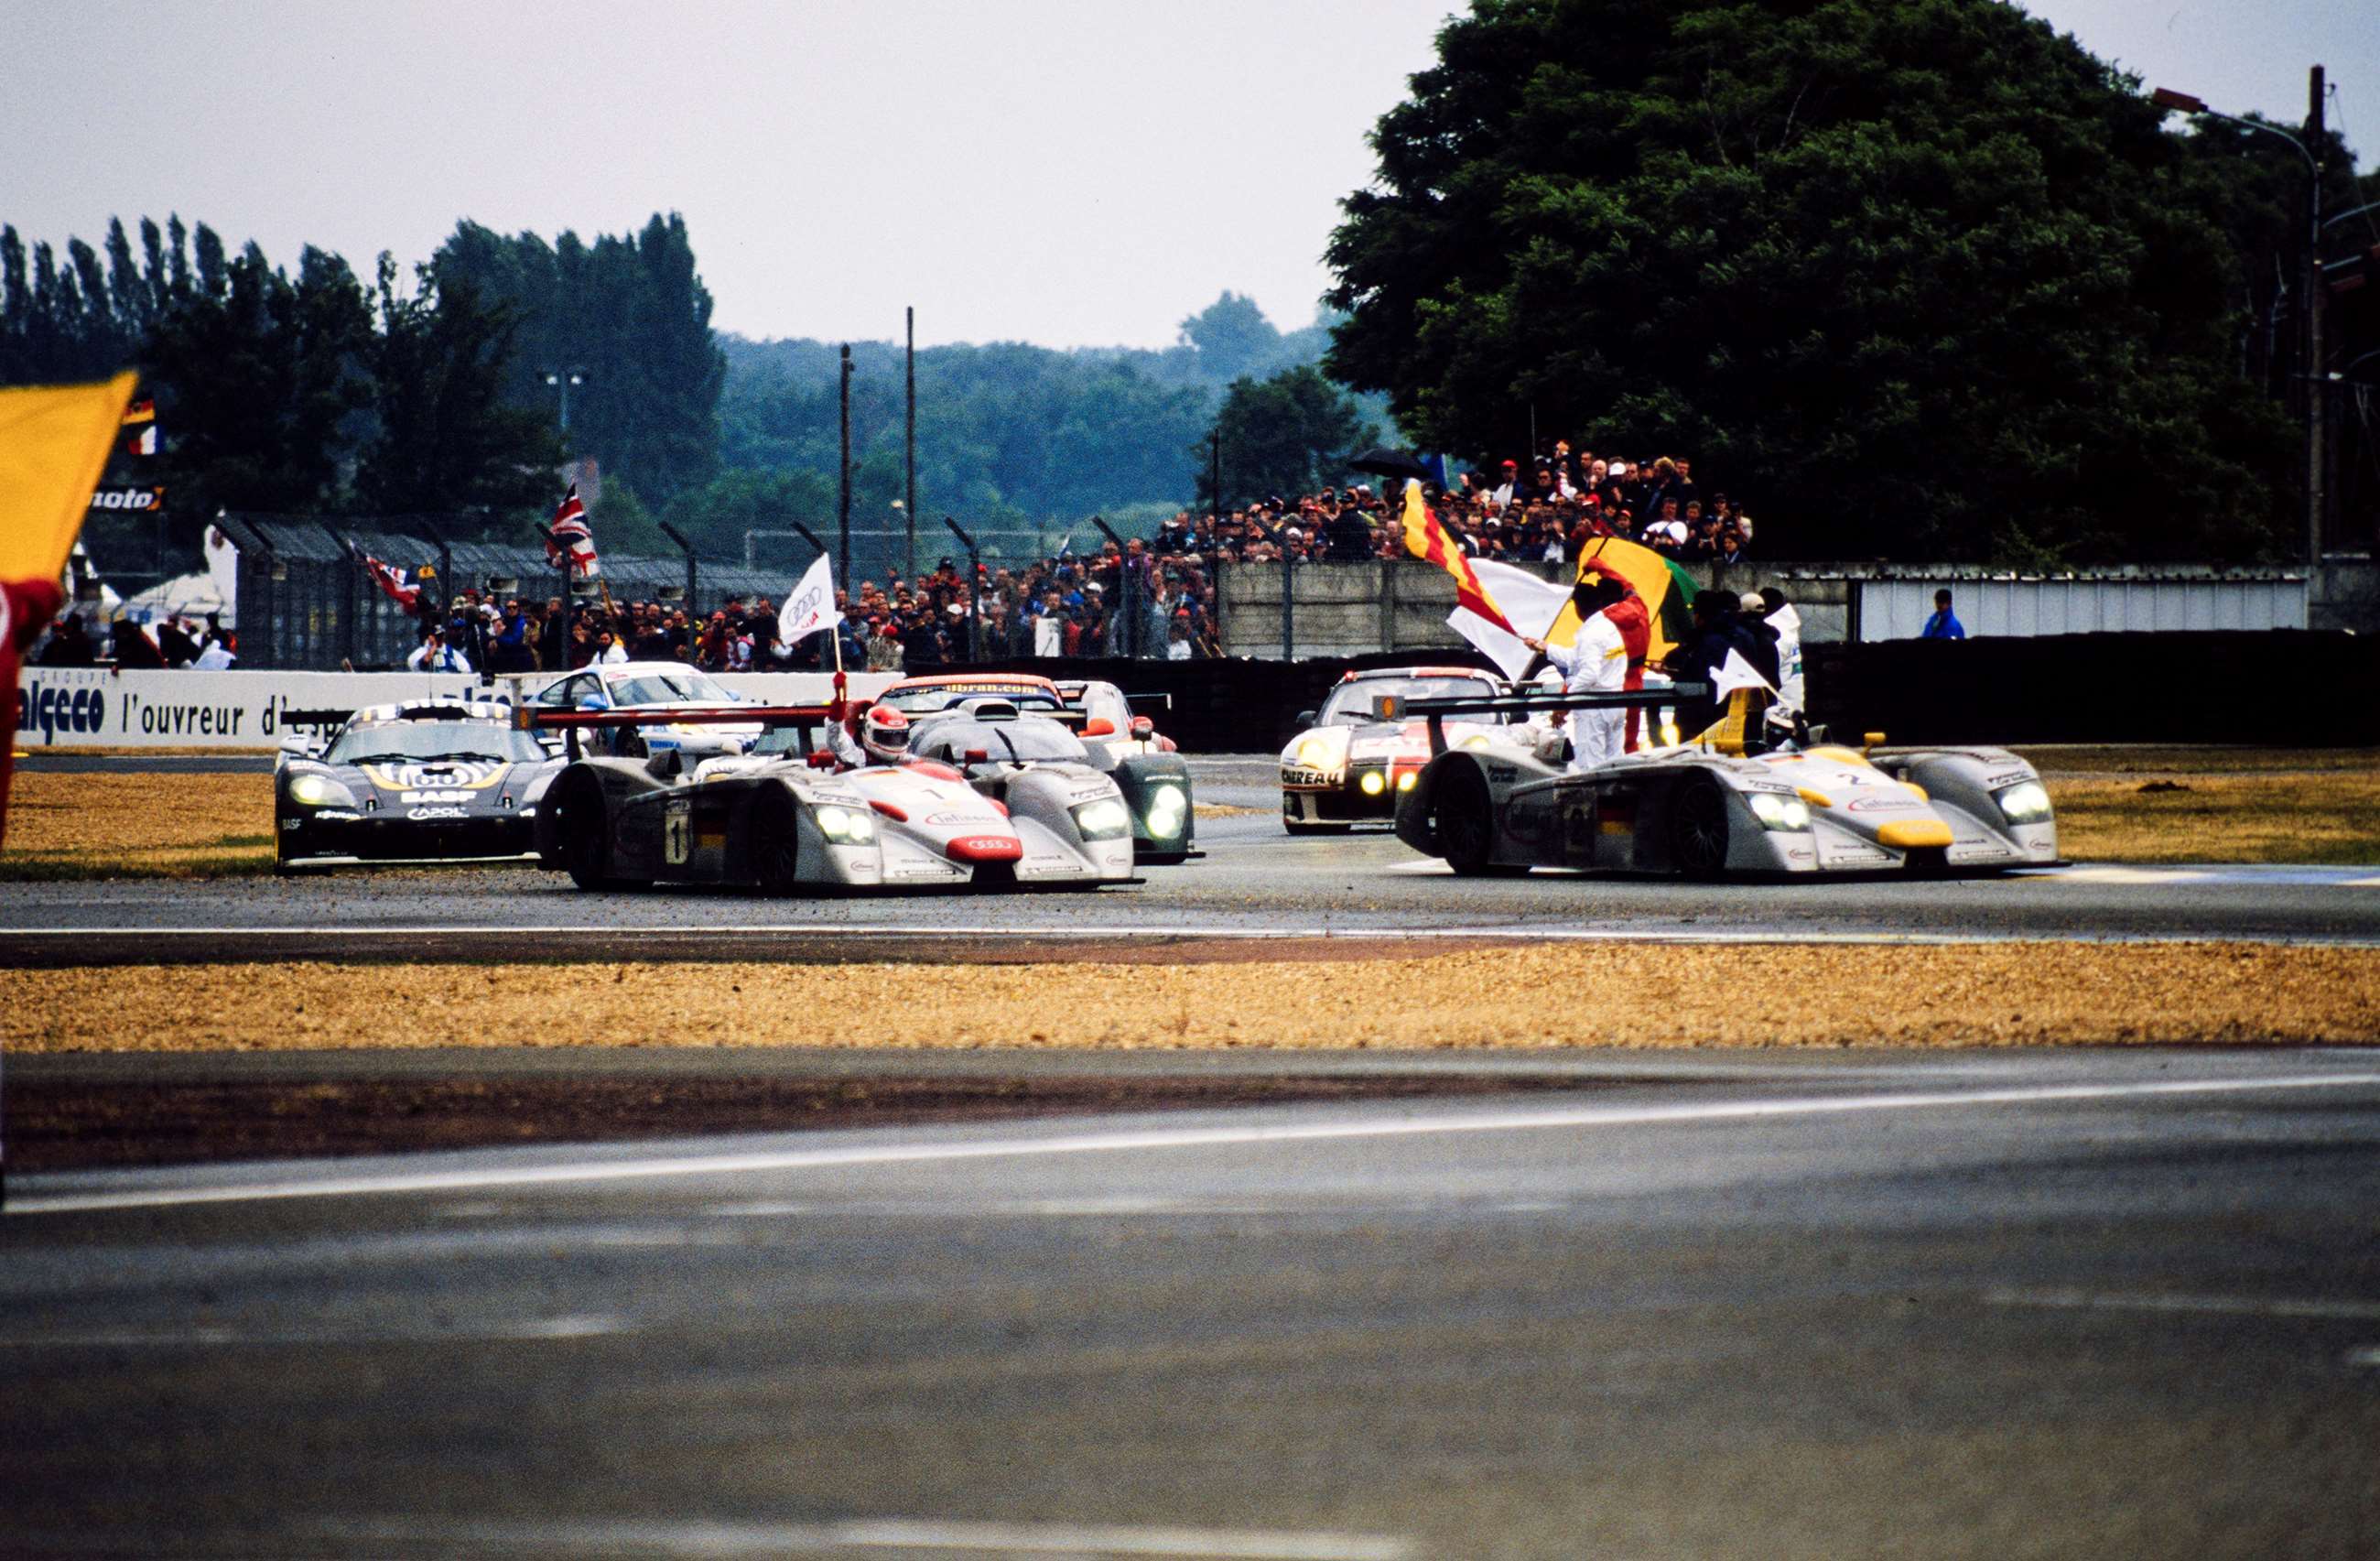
{"x":1974,"y":994}
{"x":66,"y":826}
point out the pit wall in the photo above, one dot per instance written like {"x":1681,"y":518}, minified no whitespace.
{"x":97,"y":707}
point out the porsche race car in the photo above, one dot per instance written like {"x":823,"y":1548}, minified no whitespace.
{"x":421,"y":781}
{"x":1153,"y":778}
{"x":1348,"y":766}
{"x":789,"y":818}
{"x":1720,"y":804}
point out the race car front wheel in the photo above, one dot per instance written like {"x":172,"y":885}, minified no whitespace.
{"x":1465,"y":823}
{"x":776,"y":846}
{"x":1698,"y":828}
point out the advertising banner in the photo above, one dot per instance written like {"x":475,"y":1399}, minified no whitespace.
{"x":96,"y":707}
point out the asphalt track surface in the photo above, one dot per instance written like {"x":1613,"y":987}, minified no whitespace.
{"x":2101,"y":1303}
{"x":1254,"y":883}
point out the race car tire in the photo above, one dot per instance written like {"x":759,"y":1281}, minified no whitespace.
{"x":1698,"y":828}
{"x":1465,"y":823}
{"x":583,"y":833}
{"x":776,"y":846}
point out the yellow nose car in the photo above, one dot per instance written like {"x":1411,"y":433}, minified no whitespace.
{"x":1720,"y":804}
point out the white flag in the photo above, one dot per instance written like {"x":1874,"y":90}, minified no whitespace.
{"x":1529,"y":604}
{"x":1736,"y":672}
{"x":810,"y":606}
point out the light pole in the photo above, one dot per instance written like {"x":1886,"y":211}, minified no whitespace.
{"x":563,"y":380}
{"x":2310,"y":371}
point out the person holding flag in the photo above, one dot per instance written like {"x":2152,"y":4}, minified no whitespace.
{"x":567,"y":538}
{"x":1596,"y":661}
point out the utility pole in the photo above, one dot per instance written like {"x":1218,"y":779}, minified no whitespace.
{"x":842,"y":501}
{"x":2316,"y":382}
{"x":911,"y":458}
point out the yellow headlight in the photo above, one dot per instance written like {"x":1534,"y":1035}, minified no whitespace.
{"x":1373,"y":783}
{"x":1405,"y":781}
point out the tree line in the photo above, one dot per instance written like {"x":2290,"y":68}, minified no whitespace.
{"x":1923,"y":277}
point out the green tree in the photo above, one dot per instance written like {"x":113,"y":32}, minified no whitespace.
{"x":1289,"y":434}
{"x":447,"y":441}
{"x":1232,"y":338}
{"x":1913,"y":278}
{"x":632,"y":315}
{"x":257,"y":375}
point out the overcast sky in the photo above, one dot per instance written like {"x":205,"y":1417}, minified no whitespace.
{"x":1067,"y":172}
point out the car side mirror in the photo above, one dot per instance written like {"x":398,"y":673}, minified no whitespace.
{"x":1143,"y":727}
{"x":1098,"y":726}
{"x":297,"y":747}
{"x":594,"y":701}
{"x":978,"y":756}
{"x":821,"y":760}
{"x":1305,"y":718}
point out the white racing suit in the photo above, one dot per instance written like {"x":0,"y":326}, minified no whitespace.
{"x":1595,"y":662}
{"x":1789,"y":684}
{"x":846,"y":746}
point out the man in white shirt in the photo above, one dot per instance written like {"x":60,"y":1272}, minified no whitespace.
{"x":433,"y":654}
{"x":1595,"y":662}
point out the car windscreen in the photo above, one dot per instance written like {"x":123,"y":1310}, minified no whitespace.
{"x":915,"y":701}
{"x":1028,"y":738}
{"x":799,"y":740}
{"x":434,"y":740}
{"x":1351,"y":703}
{"x":667,"y":687}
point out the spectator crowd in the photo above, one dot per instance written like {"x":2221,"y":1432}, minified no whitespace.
{"x":1153,"y":597}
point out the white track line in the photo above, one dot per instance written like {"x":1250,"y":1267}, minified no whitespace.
{"x":1511,"y":933}
{"x":699,"y":1538}
{"x":527,"y":1331}
{"x":2227,"y":1306}
{"x":33,"y":1200}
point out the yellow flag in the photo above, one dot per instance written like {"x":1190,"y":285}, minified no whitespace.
{"x":53,"y":443}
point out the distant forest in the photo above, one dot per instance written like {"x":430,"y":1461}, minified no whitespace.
{"x":320,"y":391}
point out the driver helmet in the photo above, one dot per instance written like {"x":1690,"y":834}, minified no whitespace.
{"x":885,"y":734}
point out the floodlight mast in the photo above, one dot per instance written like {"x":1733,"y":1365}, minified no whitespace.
{"x":2311,"y":371}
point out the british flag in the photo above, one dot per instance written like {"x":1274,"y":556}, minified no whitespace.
{"x":568,"y":537}
{"x":397,"y":585}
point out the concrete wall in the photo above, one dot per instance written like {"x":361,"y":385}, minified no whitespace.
{"x":1402,"y":603}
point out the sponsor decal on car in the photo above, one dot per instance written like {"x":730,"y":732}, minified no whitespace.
{"x":435,"y":797}
{"x":419,"y":813}
{"x":1881,"y":804}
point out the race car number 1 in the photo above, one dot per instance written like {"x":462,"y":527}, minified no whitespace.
{"x":677,"y":833}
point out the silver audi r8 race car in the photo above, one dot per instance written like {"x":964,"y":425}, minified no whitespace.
{"x":1153,"y":778}
{"x":1348,"y":766}
{"x":790,"y":818}
{"x":1721,"y":805}
{"x":423,"y":781}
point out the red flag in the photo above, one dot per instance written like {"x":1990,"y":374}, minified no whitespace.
{"x":568,"y":537}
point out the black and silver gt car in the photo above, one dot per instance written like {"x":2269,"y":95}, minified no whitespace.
{"x":424,"y":781}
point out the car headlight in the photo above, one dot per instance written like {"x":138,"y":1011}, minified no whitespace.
{"x":2025,"y":802}
{"x":1778,"y":812}
{"x":1405,"y":781}
{"x":1315,"y":754}
{"x":1372,"y":783}
{"x":320,"y":791}
{"x":1669,"y":734}
{"x":1106,"y":819}
{"x":1475,"y":740}
{"x":1167,"y":808}
{"x":845,"y":826}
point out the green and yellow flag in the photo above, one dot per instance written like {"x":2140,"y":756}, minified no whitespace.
{"x":1668,"y":590}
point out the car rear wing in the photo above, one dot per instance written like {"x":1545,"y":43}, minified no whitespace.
{"x":1396,"y":707}
{"x":319,"y":720}
{"x":570,"y":723}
